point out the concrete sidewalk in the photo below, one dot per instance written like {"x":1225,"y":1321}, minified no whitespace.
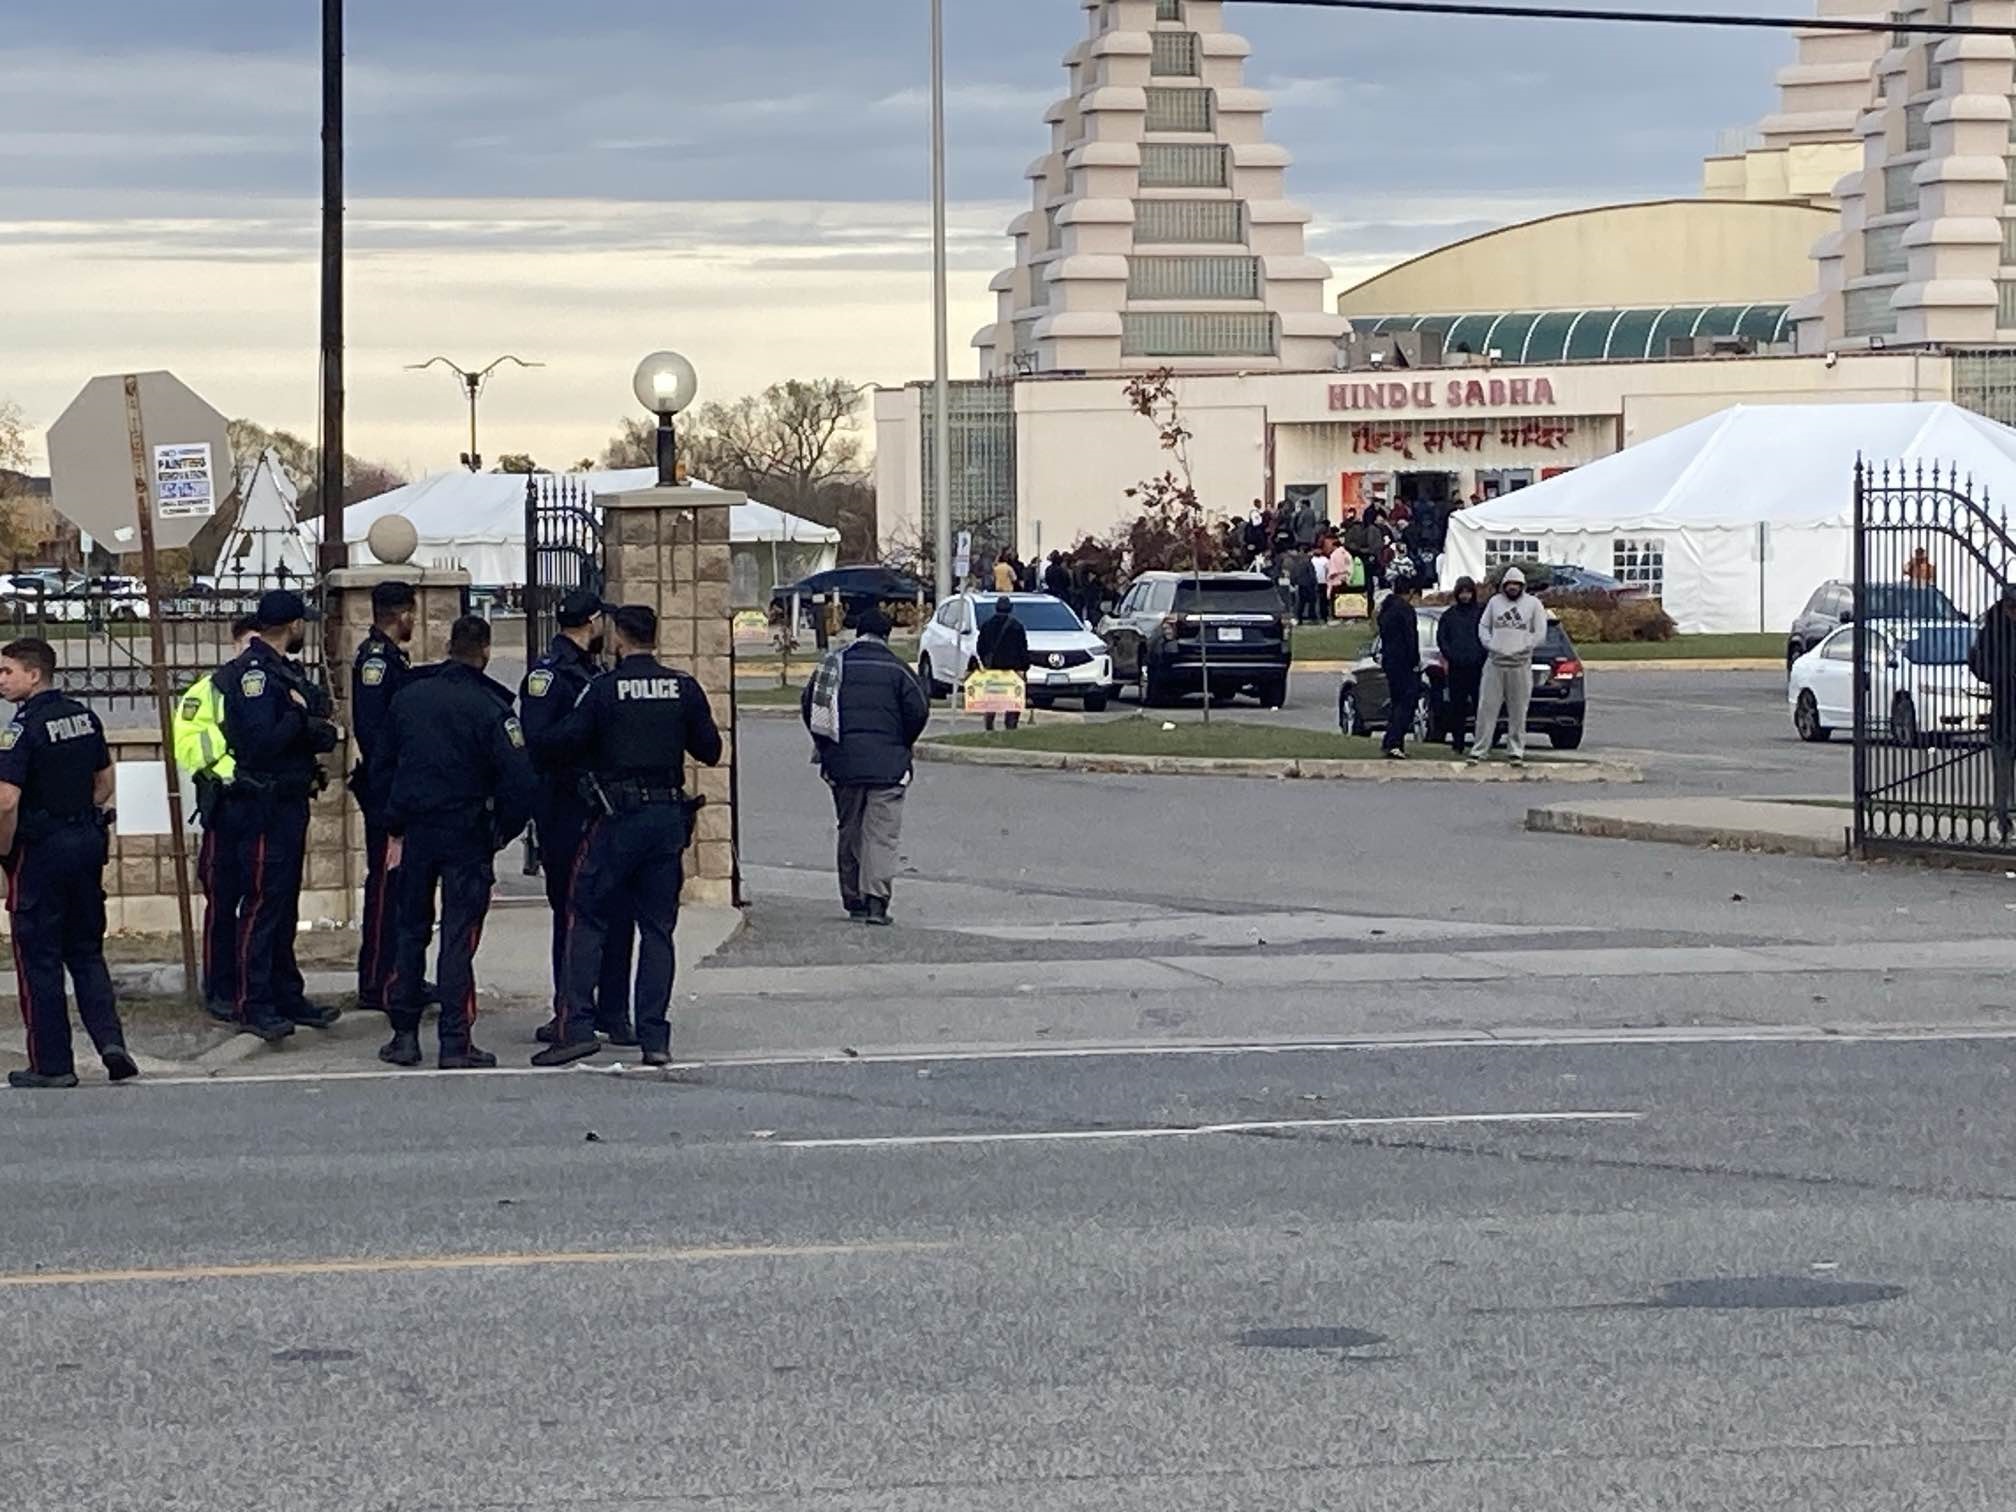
{"x":1765,"y":826}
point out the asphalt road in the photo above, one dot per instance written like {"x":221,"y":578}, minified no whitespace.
{"x":1726,"y":1277}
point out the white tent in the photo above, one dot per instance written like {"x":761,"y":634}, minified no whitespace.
{"x":476,"y":521}
{"x":265,"y":541}
{"x":1735,"y":519}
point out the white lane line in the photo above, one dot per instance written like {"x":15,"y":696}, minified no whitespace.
{"x":1262,"y":1126}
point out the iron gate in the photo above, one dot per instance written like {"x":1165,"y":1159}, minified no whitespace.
{"x":1922,"y":665}
{"x":563,"y":551}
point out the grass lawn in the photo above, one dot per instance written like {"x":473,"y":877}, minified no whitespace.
{"x":1340,"y":640}
{"x":769,"y":695}
{"x":1144,"y":736}
{"x":1690,"y":648}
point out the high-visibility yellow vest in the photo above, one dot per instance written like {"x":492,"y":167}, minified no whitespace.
{"x":200,"y":746}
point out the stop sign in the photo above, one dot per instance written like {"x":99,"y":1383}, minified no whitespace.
{"x":185,"y":454}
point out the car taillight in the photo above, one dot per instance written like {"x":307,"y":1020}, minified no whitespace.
{"x":1567,"y":669}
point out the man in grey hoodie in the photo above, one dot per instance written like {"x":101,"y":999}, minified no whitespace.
{"x":1513,"y":625}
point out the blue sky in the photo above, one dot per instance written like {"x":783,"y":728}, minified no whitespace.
{"x":743,"y":179}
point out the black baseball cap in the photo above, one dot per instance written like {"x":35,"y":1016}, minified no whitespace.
{"x":580,"y":608}
{"x":280,"y":607}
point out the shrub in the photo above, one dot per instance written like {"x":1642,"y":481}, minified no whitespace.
{"x":1638,"y":620}
{"x":1583,"y":626}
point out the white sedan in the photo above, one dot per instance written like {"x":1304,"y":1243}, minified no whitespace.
{"x":1066,"y":660}
{"x":1919,"y":688}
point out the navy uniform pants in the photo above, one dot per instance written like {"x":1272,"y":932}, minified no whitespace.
{"x":561,"y":833}
{"x":379,"y":933}
{"x":56,"y":904}
{"x":462,"y":870}
{"x":217,"y":873}
{"x":266,"y":841}
{"x":630,"y":862}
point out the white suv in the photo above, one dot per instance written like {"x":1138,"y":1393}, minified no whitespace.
{"x":1065,"y":659}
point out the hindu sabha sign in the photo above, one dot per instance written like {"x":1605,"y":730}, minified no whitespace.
{"x":1436,"y":393}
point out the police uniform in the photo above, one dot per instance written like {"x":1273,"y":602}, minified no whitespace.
{"x":53,"y":752}
{"x":457,"y":786}
{"x":380,"y":670}
{"x":263,"y":820}
{"x":631,"y":732}
{"x":548,"y":695}
{"x":201,"y":751}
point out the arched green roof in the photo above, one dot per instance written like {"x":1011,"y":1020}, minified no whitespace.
{"x":1528,"y":336}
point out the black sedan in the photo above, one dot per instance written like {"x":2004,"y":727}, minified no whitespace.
{"x":856,"y":588}
{"x":1560,"y":691}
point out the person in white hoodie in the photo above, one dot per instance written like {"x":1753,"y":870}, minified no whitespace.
{"x":1513,"y":625}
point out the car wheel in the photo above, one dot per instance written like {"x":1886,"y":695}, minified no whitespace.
{"x":1568,"y":738}
{"x":1095,"y":703}
{"x":1904,"y":722}
{"x":1806,"y":720}
{"x":1423,"y":730}
{"x":1349,"y":719}
{"x":924,"y":676}
{"x":1274,"y":693}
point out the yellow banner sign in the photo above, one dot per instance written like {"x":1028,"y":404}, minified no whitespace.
{"x":752,"y":628}
{"x":996,"y":693}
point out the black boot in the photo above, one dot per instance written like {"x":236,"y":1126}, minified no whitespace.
{"x":548,"y":1033}
{"x":118,"y":1064}
{"x":878,"y":912}
{"x":620,"y":1036}
{"x":468,"y":1058}
{"x":857,"y":909}
{"x":35,"y":1081}
{"x":311,"y":1015}
{"x":272,"y":1030}
{"x":403,"y":1049}
{"x":567,"y":1054}
{"x":657,"y":1057}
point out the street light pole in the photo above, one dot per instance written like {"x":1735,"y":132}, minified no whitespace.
{"x":329,"y":466}
{"x":941,"y":417}
{"x":473,"y":383}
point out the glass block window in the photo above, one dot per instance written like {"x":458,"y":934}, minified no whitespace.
{"x":1173,"y":333}
{"x":1899,"y":191}
{"x":1883,"y":250}
{"x":1179,"y":109}
{"x":1640,"y":561}
{"x":1917,"y":130}
{"x":1193,"y":278}
{"x":1501,"y":552}
{"x":1867,"y":312}
{"x":1184,"y":165}
{"x":1168,"y":10}
{"x":1175,"y":54}
{"x":1187,"y":221}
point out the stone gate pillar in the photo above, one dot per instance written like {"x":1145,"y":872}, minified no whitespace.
{"x":668,"y":549}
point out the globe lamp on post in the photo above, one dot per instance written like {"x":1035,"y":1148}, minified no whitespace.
{"x":666,"y":384}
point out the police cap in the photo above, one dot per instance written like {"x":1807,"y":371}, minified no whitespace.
{"x":280,"y":607}
{"x":580,"y":608}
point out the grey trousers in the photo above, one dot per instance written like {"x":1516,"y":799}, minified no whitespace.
{"x":1510,"y":689}
{"x":871,"y":820}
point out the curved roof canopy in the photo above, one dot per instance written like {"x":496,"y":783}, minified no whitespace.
{"x":1633,"y":335}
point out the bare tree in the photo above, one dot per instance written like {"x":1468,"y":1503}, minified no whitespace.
{"x":1169,"y":507}
{"x":787,"y":445}
{"x":15,"y":534}
{"x":517,"y":462}
{"x":635,"y":444}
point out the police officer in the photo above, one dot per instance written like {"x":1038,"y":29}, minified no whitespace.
{"x":55,"y":783}
{"x":201,"y":752}
{"x":631,"y":732}
{"x":380,"y":670}
{"x":456,"y":786}
{"x":276,"y":723}
{"x":551,"y":688}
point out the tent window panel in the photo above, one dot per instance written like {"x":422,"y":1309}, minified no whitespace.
{"x":1640,"y":562}
{"x":1503,"y":551}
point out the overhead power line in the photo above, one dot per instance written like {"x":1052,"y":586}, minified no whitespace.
{"x":1644,"y":18}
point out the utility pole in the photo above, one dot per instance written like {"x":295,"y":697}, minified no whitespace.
{"x":329,"y":470}
{"x":473,"y":384}
{"x":941,"y":403}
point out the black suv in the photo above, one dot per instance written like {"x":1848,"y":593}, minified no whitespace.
{"x":1172,"y":626}
{"x":1833,"y":605}
{"x":1560,"y":690}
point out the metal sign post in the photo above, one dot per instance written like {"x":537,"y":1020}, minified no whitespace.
{"x":143,"y":503}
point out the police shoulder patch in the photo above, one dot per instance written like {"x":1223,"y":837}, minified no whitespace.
{"x":11,"y":736}
{"x":539,"y":684}
{"x":515,"y":733}
{"x":192,"y":707}
{"x":254,"y":684}
{"x":373,"y":672}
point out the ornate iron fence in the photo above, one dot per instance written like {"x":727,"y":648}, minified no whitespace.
{"x":563,"y":551}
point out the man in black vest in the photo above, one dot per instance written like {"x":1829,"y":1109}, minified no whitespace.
{"x":380,"y":670}
{"x":631,"y":734}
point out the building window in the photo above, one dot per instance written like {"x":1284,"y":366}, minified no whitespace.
{"x":1900,"y":190}
{"x":1168,"y":10}
{"x":1175,"y":54}
{"x":1641,"y":563}
{"x":1179,"y":110}
{"x":2009,"y":244}
{"x":1883,"y":250}
{"x":1172,"y":333}
{"x":1917,"y":130}
{"x":2009,"y":181}
{"x":1501,"y":552}
{"x":1184,"y":165}
{"x":1039,"y":286}
{"x":1054,"y":239}
{"x":1187,"y":221}
{"x":2005,"y":306}
{"x":1867,"y":312}
{"x":1193,"y":278}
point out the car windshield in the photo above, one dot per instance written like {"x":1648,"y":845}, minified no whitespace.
{"x":1228,"y":596}
{"x":1907,"y":601}
{"x":1035,"y":614}
{"x":1946,"y":646}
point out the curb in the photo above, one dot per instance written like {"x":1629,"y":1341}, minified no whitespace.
{"x":1370,"y":770}
{"x":939,"y":714}
{"x":1563,"y":821}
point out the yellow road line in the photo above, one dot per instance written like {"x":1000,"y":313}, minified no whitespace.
{"x":399,"y":1264}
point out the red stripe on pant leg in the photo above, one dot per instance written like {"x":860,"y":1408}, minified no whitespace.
{"x":374,"y":934}
{"x":20,"y":972}
{"x":573,"y":910}
{"x":255,"y":892}
{"x":469,"y":1008}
